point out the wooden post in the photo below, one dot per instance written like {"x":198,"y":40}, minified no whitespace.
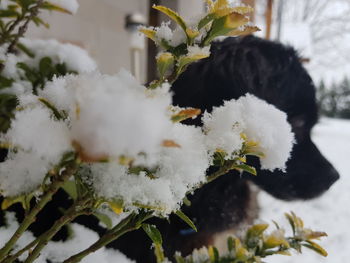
{"x":151,"y":47}
{"x":268,"y":16}
{"x":252,"y":4}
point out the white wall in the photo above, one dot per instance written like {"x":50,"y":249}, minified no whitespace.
{"x":98,"y":26}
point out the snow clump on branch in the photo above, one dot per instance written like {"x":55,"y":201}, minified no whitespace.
{"x":111,"y":116}
{"x":259,"y":121}
{"x":105,"y":116}
{"x":177,"y":171}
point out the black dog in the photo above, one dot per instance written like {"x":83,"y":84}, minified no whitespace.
{"x":236,"y":66}
{"x":273,"y":73}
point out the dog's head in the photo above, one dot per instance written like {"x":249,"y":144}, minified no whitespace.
{"x":273,"y":73}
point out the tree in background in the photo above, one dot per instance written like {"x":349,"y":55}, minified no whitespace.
{"x":334,"y":100}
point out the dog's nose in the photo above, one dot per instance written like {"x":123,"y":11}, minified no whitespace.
{"x":333,"y":176}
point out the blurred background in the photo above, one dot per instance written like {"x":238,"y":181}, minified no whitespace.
{"x":318,"y":29}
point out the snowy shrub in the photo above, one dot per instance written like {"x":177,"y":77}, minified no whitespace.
{"x":113,"y":144}
{"x":255,"y":119}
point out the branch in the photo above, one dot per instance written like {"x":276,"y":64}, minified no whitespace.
{"x":77,"y":209}
{"x":22,"y":29}
{"x":12,"y":258}
{"x":30,"y":218}
{"x":132,"y":222}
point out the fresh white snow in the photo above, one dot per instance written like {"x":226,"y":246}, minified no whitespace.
{"x":330,"y":212}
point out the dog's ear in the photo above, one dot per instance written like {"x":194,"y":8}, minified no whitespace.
{"x":308,"y":174}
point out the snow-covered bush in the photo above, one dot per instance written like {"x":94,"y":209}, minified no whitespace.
{"x":111,"y":142}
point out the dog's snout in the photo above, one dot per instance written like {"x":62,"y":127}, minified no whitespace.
{"x":333,"y":175}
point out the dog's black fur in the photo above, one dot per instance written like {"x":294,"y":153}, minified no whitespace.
{"x":236,"y":66}
{"x":274,"y":73}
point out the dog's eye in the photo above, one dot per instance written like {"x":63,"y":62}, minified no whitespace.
{"x":298,"y":123}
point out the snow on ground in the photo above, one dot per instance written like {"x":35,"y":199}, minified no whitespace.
{"x":329,"y":213}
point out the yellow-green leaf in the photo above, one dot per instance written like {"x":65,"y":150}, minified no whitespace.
{"x":246,"y":31}
{"x":172,"y":14}
{"x":256,"y":230}
{"x":315,"y":234}
{"x":165,"y":61}
{"x":224,"y":25}
{"x":185,"y":114}
{"x":275,"y":240}
{"x":192,"y":34}
{"x":170,"y":144}
{"x":315,"y":247}
{"x":284,"y":253}
{"x":234,"y":20}
{"x":184,"y":61}
{"x":24,"y":200}
{"x":150,"y":33}
{"x":242,"y":9}
{"x":116,"y":206}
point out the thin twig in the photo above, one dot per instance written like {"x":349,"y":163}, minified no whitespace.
{"x":132,"y":222}
{"x":34,"y":11}
{"x":77,"y":209}
{"x":13,"y":257}
{"x":30,"y":218}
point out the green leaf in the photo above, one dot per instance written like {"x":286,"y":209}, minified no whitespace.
{"x":52,"y":7}
{"x":71,"y":189}
{"x":105,"y":219}
{"x":230,"y":244}
{"x":30,"y":74}
{"x":45,"y":66}
{"x":186,"y":219}
{"x":179,"y":258}
{"x":186,"y":201}
{"x":5,"y":82}
{"x":38,"y":21}
{"x":24,"y":4}
{"x":153,"y":233}
{"x":206,"y":20}
{"x":55,"y":111}
{"x":25,"y":50}
{"x":8,"y":103}
{"x":8,"y":13}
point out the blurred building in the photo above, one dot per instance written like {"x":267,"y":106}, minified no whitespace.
{"x":99,"y":27}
